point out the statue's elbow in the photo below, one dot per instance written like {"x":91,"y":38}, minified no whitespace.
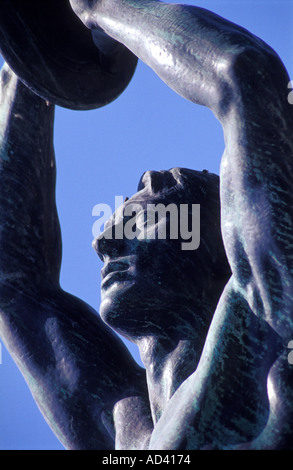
{"x":251,"y":72}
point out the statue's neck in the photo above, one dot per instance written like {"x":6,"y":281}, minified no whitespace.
{"x":167,"y":364}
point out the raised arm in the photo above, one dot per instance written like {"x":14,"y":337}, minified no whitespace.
{"x":215,"y":63}
{"x":76,"y":368}
{"x":192,"y":49}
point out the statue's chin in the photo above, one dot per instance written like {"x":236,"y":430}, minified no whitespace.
{"x":118,"y":308}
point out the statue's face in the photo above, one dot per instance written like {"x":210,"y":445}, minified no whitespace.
{"x":146,"y":282}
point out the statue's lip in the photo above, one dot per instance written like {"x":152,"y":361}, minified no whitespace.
{"x":116,"y":276}
{"x":118,"y":270}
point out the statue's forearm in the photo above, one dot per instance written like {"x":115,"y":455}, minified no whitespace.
{"x":213,"y":62}
{"x":216,"y":63}
{"x":76,"y":368}
{"x":192,"y":49}
{"x":30,"y":241}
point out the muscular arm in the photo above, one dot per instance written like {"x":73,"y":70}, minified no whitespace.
{"x":218,"y":64}
{"x":76,"y":368}
{"x":215,"y":63}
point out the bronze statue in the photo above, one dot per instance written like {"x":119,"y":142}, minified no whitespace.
{"x":47,"y":47}
{"x":213,"y":325}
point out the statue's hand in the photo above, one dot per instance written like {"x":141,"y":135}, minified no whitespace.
{"x":84,"y":10}
{"x":87,"y":11}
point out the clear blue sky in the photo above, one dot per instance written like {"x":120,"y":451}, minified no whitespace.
{"x":103,"y":153}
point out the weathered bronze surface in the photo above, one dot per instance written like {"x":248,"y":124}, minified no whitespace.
{"x":212,"y":325}
{"x":54,"y":54}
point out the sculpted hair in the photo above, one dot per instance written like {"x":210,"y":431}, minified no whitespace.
{"x":186,"y":186}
